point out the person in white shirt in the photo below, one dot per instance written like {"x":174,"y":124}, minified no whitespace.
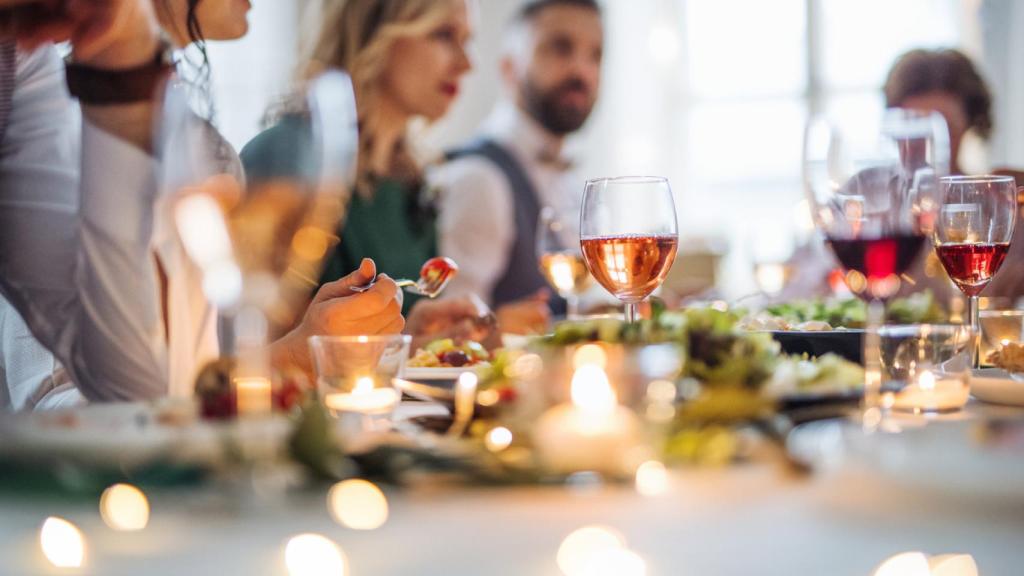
{"x":495,"y":188}
{"x":115,"y":302}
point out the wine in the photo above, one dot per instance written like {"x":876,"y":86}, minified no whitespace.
{"x":565,"y":272}
{"x":879,"y":261}
{"x":630,"y":266}
{"x":972,"y":266}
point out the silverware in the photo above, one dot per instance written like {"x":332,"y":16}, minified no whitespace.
{"x":435,"y":274}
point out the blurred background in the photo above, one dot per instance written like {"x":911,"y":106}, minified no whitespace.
{"x":713,"y":94}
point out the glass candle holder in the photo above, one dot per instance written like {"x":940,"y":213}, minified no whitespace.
{"x":590,"y":409}
{"x":925,"y":368}
{"x":355,"y":374}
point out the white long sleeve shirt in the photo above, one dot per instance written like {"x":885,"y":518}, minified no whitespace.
{"x":85,"y":276}
{"x":477,"y":218}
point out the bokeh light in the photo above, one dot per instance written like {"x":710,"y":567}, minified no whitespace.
{"x":652,"y":478}
{"x":314,"y":555}
{"x":498,"y":439}
{"x":62,"y":542}
{"x":124,"y":507}
{"x":358,"y":504}
{"x":590,"y":355}
{"x":580,"y":547}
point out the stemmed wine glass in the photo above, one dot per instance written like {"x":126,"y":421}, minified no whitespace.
{"x":873,"y":191}
{"x":972,"y":235}
{"x":629,"y":236}
{"x":561,"y":261}
{"x":260,"y":247}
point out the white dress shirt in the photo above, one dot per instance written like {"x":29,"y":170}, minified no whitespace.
{"x":477,"y":219}
{"x":86,"y":280}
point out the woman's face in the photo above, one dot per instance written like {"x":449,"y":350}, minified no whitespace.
{"x":218,"y":19}
{"x":423,"y":72}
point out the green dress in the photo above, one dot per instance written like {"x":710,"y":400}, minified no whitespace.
{"x":392,"y":226}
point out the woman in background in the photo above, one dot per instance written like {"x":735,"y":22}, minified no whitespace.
{"x":947,"y":82}
{"x":406,"y":59}
{"x":943,"y":81}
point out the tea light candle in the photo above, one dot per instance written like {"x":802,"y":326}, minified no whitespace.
{"x":365,"y":398}
{"x":254,"y":396}
{"x":931,"y":394}
{"x":590,"y":433}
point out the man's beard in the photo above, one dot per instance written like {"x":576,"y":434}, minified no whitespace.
{"x":545,"y":108}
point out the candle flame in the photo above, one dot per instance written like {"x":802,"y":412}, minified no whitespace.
{"x":591,"y":392}
{"x":927,"y":381}
{"x":363,"y":385}
{"x":62,"y":543}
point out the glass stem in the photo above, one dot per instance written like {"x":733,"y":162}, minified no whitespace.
{"x":972,"y":311}
{"x":632,"y":312}
{"x":572,"y":307}
{"x":873,"y":405}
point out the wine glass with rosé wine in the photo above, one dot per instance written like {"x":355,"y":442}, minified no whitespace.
{"x":629,"y":236}
{"x":972,"y":235}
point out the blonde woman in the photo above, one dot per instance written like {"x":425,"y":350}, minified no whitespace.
{"x":406,"y":59}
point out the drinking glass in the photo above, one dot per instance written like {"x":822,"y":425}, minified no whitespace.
{"x":972,"y":235}
{"x":561,"y":261}
{"x":873,"y":191}
{"x":629,"y":235}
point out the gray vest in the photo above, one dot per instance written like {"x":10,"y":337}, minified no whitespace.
{"x":522,"y":278}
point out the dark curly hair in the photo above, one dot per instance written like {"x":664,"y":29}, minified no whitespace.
{"x":922,"y":71}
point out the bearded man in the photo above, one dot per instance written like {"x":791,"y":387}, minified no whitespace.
{"x":494,"y":189}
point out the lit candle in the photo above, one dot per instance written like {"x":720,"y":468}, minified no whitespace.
{"x":255,"y":396}
{"x":365,"y":398}
{"x":931,"y":394}
{"x":591,"y":433}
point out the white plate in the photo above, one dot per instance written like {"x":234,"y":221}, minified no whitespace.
{"x":102,"y":434}
{"x":129,"y":435}
{"x":995,"y":386}
{"x":434,"y":374}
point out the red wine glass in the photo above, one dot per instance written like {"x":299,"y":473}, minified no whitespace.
{"x":972,"y":234}
{"x":629,"y":236}
{"x":873,"y":189}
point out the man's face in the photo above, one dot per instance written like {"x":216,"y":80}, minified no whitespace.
{"x":559,"y":80}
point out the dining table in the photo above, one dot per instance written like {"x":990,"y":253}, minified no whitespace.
{"x":762,"y":515}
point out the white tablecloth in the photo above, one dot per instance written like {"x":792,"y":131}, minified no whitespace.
{"x":753,"y":519}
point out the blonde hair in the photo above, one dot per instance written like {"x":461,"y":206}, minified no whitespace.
{"x":357,"y":36}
